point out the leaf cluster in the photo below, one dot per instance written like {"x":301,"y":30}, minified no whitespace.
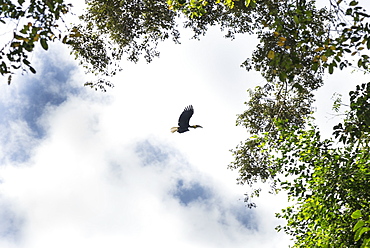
{"x":327,"y":181}
{"x":327,"y":184}
{"x":362,"y":227}
{"x":356,"y":128}
{"x":112,"y":28}
{"x":298,"y":42}
{"x":36,"y":22}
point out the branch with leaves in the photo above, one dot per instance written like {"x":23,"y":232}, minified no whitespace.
{"x":37,"y":21}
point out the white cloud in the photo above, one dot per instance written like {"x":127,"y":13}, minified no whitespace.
{"x":96,"y":180}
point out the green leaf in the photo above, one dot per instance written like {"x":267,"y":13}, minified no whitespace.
{"x":299,"y":87}
{"x":366,"y":243}
{"x":360,"y":231}
{"x":357,"y":214}
{"x":282,"y":76}
{"x":271,"y":54}
{"x":295,"y":18}
{"x":65,"y":39}
{"x":44,"y":44}
{"x":359,"y":224}
{"x":25,"y":29}
{"x":18,"y":37}
{"x":353,"y":3}
{"x":331,"y":69}
{"x":359,"y":63}
{"x":315,"y":66}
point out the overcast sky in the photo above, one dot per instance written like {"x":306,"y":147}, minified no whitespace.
{"x":81,"y":168}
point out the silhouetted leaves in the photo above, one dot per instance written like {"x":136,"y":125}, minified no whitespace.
{"x":326,"y":180}
{"x":42,"y":17}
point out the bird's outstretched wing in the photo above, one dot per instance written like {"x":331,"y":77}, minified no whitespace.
{"x":185,"y":117}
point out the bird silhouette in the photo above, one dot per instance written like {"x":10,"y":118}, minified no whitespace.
{"x":184,"y":121}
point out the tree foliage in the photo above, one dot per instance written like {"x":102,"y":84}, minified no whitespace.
{"x":36,"y":21}
{"x":326,"y":179}
{"x":361,"y":227}
{"x":113,"y":30}
{"x":110,"y":29}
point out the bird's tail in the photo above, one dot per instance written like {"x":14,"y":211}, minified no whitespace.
{"x":174,"y":129}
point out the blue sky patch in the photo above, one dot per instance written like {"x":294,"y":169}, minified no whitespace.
{"x":33,"y":95}
{"x":150,"y":154}
{"x":190,"y":193}
{"x":246,"y":217}
{"x":40,"y":92}
{"x":10,"y":224}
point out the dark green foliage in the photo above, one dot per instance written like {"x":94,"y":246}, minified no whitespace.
{"x":327,"y":180}
{"x":357,"y":126}
{"x":112,"y":28}
{"x":37,"y":22}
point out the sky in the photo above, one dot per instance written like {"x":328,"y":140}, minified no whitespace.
{"x":83,"y":168}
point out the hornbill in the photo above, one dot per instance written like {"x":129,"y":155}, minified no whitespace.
{"x":184,"y":120}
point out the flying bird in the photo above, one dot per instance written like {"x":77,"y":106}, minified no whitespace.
{"x":184,"y":121}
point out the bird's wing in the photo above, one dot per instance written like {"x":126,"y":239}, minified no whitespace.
{"x":185,"y":116}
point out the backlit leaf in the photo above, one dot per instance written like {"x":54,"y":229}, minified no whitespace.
{"x":271,"y":54}
{"x":359,"y":224}
{"x":361,"y":231}
{"x":357,"y":214}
